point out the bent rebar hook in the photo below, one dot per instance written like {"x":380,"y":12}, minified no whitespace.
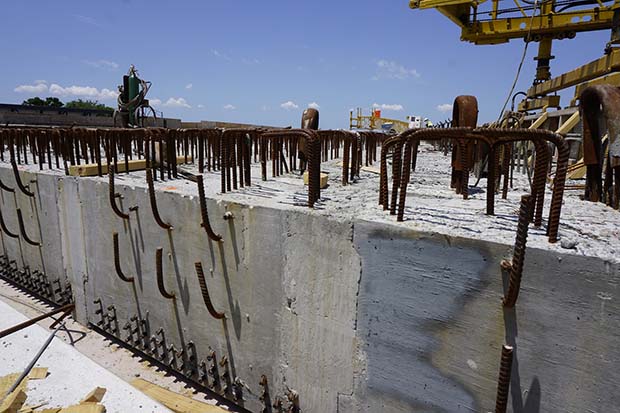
{"x":5,"y":229}
{"x":6,"y":188}
{"x":114,"y":195}
{"x":20,"y":184}
{"x":205,"y":293}
{"x":149,"y":181}
{"x":160,"y":275}
{"x":22,"y":229}
{"x":117,"y":261}
{"x":203,"y":211}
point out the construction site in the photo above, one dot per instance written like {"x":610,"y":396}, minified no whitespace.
{"x":153,"y":264}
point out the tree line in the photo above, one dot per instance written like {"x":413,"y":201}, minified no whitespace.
{"x":54,"y":102}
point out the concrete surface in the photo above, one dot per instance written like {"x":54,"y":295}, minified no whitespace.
{"x":351,"y":309}
{"x":71,"y":375}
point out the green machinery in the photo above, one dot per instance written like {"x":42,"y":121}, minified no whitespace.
{"x":132,"y":103}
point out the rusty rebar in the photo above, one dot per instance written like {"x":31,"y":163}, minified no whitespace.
{"x":503,"y":382}
{"x":113,"y":195}
{"x":153,"y":199}
{"x":24,"y":188}
{"x":22,"y":229}
{"x":117,"y":261}
{"x":206,"y":224}
{"x":5,"y":229}
{"x":4,"y":187}
{"x":518,"y":257}
{"x":160,"y":275}
{"x":205,"y":293}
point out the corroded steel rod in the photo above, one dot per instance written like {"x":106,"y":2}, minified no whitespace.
{"x":160,"y":275}
{"x":117,"y":261}
{"x":153,"y":199}
{"x":503,"y":382}
{"x":205,"y":293}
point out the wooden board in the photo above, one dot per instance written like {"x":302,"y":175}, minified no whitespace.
{"x":84,"y":408}
{"x":37,"y":373}
{"x":13,"y":402}
{"x":91,"y":169}
{"x":174,"y":401}
{"x":96,"y":395}
{"x":323,"y":179}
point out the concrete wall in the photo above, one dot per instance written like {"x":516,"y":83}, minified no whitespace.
{"x":353,"y":315}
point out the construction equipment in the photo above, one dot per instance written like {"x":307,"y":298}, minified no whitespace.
{"x":541,"y":21}
{"x":132,"y":102}
{"x":376,"y":121}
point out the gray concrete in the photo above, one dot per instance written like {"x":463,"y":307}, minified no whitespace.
{"x":352,"y":314}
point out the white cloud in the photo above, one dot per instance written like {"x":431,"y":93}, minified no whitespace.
{"x":82,"y":91}
{"x":87,"y":20}
{"x":289,"y":105}
{"x":394,"y":106}
{"x":393,"y":70}
{"x":220,"y":55}
{"x":229,"y":107}
{"x":201,"y":106}
{"x":177,"y":103}
{"x":102,"y":64}
{"x":445,"y":107}
{"x":250,"y":61}
{"x":189,"y":86}
{"x":39,"y":86}
{"x":314,"y":105}
{"x":155,"y":101}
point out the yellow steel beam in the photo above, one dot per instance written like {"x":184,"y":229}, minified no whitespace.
{"x":600,"y":67}
{"x":552,"y":101}
{"x":540,"y":121}
{"x":502,"y":30}
{"x":612,"y":79}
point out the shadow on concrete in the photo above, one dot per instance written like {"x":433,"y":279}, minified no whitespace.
{"x":181,"y":283}
{"x":235,"y":311}
{"x":532,"y":402}
{"x":233,"y":239}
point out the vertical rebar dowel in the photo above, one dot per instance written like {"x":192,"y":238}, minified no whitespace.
{"x":503,"y":382}
{"x":518,"y":258}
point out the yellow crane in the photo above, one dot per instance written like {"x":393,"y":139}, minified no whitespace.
{"x":541,"y":21}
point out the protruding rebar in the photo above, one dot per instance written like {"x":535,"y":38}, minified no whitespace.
{"x":203,"y":210}
{"x":160,"y":275}
{"x":20,"y":184}
{"x":113,"y":195}
{"x":117,"y":261}
{"x":22,"y":229}
{"x":160,"y":222}
{"x":503,"y":383}
{"x":518,"y":258}
{"x":205,"y":293}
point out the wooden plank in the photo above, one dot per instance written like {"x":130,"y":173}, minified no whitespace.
{"x":13,"y":402}
{"x":37,"y":373}
{"x":96,"y":395}
{"x":134,"y":165}
{"x":174,"y":401}
{"x":539,"y":122}
{"x":569,"y":124}
{"x":84,"y":408}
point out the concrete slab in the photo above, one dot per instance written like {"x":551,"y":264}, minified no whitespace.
{"x":71,"y":374}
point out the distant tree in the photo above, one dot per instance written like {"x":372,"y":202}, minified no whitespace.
{"x":35,"y":101}
{"x":49,"y":102}
{"x":88,"y":104}
{"x":53,"y":102}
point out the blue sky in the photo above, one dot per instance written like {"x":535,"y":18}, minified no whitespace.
{"x":263,"y":62}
